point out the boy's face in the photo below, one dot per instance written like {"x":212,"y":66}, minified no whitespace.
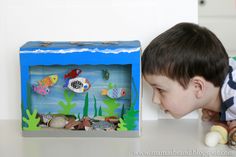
{"x":171,"y":96}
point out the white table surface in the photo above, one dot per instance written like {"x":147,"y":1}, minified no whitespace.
{"x":159,"y":138}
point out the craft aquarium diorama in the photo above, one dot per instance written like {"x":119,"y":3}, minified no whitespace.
{"x":80,"y":88}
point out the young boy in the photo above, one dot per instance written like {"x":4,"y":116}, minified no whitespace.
{"x":188,"y":69}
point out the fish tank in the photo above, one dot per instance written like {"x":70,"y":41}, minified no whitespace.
{"x":80,"y":89}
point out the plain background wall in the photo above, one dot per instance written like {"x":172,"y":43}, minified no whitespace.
{"x":87,"y":20}
{"x":220,"y":17}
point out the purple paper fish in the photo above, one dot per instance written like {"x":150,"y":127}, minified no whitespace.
{"x":40,"y":89}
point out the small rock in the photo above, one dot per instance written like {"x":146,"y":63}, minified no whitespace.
{"x":69,"y":117}
{"x":45,"y":118}
{"x":80,"y":126}
{"x":112,"y":119}
{"x":58,"y":122}
{"x":86,"y":122}
{"x":72,"y":123}
{"x":99,"y":118}
{"x":103,"y":125}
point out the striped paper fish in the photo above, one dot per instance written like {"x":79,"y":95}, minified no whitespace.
{"x":114,"y":93}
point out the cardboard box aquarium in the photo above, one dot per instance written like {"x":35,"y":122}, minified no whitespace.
{"x":80,"y":88}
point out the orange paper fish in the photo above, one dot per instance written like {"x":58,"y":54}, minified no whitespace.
{"x":48,"y":81}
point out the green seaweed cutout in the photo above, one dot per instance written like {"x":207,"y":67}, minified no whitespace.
{"x":130,"y":118}
{"x":86,"y":104}
{"x":100,"y":111}
{"x":111,"y":86}
{"x":95,"y":107}
{"x":79,"y":116}
{"x":66,"y":108}
{"x":122,"y":111}
{"x":112,"y":105}
{"x":121,"y":125}
{"x":32,"y":121}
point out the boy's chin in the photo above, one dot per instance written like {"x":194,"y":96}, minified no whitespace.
{"x":175,"y":116}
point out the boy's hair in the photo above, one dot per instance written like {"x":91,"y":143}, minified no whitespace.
{"x":184,"y":51}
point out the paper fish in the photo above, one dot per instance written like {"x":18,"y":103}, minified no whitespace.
{"x":42,"y":90}
{"x":114,"y":93}
{"x":73,"y":74}
{"x":42,"y":86}
{"x":78,"y":84}
{"x":48,"y":81}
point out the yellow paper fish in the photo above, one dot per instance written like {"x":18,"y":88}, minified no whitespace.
{"x":48,"y":81}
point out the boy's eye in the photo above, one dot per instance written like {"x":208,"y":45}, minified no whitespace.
{"x":160,"y":90}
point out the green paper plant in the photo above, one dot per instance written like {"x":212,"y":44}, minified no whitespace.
{"x":68,"y":106}
{"x":122,"y":111}
{"x":95,"y":107}
{"x":78,"y":116}
{"x":86,"y":104}
{"x":100,"y":111}
{"x":130,"y":118}
{"x":32,"y":121}
{"x":121,"y":125}
{"x":112,"y":105}
{"x":111,"y":85}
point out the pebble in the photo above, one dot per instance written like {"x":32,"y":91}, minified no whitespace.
{"x":72,"y":123}
{"x":58,"y":122}
{"x":99,"y":118}
{"x":103,"y":125}
{"x":112,"y":119}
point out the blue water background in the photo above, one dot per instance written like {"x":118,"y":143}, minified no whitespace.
{"x":120,"y":75}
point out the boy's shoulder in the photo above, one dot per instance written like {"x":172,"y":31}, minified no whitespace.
{"x":228,"y":93}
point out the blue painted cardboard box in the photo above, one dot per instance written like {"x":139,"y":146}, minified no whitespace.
{"x":81,"y":88}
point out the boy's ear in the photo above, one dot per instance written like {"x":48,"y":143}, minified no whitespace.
{"x":199,"y":85}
